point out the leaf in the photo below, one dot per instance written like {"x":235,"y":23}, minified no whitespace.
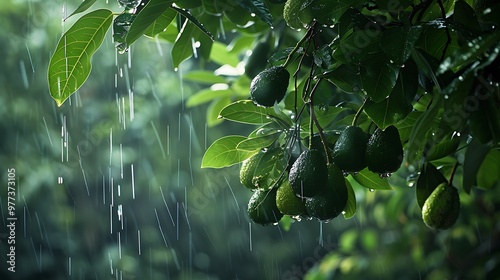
{"x":474,"y":156}
{"x":245,"y":111}
{"x":185,"y":46}
{"x":258,"y":8}
{"x":161,"y":23}
{"x":358,"y":46}
{"x":406,"y":126}
{"x":223,"y":152}
{"x":206,"y":95}
{"x":70,"y":65}
{"x":350,"y":208}
{"x":147,"y":16}
{"x":269,"y":168}
{"x":252,"y":144}
{"x":195,"y":21}
{"x":397,"y":42}
{"x":85,"y":5}
{"x":203,"y":76}
{"x":443,"y":149}
{"x":422,"y":127}
{"x":389,"y":111}
{"x":371,"y":180}
{"x":488,"y":175}
{"x":220,"y":55}
{"x":379,"y":79}
{"x":214,"y":109}
{"x":427,"y":181}
{"x":345,"y":77}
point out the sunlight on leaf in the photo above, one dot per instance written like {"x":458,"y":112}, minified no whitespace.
{"x":153,"y":10}
{"x":223,"y":152}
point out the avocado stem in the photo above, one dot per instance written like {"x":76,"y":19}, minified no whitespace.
{"x":358,"y":113}
{"x":453,"y":173}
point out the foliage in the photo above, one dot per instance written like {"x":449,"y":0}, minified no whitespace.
{"x":426,"y":67}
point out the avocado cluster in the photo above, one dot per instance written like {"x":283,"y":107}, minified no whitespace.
{"x":382,"y":152}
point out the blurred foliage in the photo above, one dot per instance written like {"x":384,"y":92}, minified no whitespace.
{"x":81,"y":215}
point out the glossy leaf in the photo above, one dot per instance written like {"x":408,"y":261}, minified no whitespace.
{"x":252,"y":144}
{"x":350,"y":208}
{"x":397,"y":42}
{"x":269,"y":168}
{"x":206,"y":95}
{"x":345,"y":77}
{"x":474,"y":156}
{"x":147,"y":16}
{"x":442,"y":149}
{"x":246,"y":112}
{"x":405,"y":127}
{"x":194,"y":21}
{"x":371,"y":180}
{"x":161,"y":23}
{"x":428,"y":180}
{"x":185,"y":45}
{"x":70,"y":64}
{"x":85,"y":5}
{"x":379,"y":79}
{"x":223,"y":152}
{"x":258,"y":8}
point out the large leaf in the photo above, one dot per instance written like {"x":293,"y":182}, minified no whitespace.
{"x":371,"y":180}
{"x":252,"y":144}
{"x":488,"y":175}
{"x":214,"y":109}
{"x":345,"y":77}
{"x":474,"y":156}
{"x":194,"y":21}
{"x":70,"y":65}
{"x":85,"y":5}
{"x":206,"y":95}
{"x":161,"y":23}
{"x":379,"y":79}
{"x":204,"y":77}
{"x":397,"y":42}
{"x":223,"y":152}
{"x":258,"y":8}
{"x":147,"y":16}
{"x":246,"y":112}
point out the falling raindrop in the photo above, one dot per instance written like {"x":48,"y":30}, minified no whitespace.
{"x":60,"y":180}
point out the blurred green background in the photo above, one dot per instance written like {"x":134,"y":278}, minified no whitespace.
{"x":109,"y":184}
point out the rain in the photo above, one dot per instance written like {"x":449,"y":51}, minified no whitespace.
{"x":109,"y":185}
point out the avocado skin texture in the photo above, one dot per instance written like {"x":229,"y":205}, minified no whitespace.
{"x":384,"y":151}
{"x":269,"y":86}
{"x":332,"y":200}
{"x":442,"y":207}
{"x":308,"y":174}
{"x":288,"y":203}
{"x":349,"y":150}
{"x":262,"y":207}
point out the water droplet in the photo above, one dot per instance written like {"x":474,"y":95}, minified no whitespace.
{"x":343,"y":212}
{"x":275,"y":224}
{"x":60,"y":180}
{"x":371,"y":190}
{"x":298,"y":218}
{"x":385,"y":175}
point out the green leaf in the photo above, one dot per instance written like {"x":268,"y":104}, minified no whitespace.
{"x":286,"y":222}
{"x":350,"y":208}
{"x":214,"y":109}
{"x":186,"y":44}
{"x":85,"y":5}
{"x":428,"y":180}
{"x":204,"y":77}
{"x":422,"y":127}
{"x":70,"y":65}
{"x":220,"y":55}
{"x":324,"y":115}
{"x":358,"y":46}
{"x":195,"y":21}
{"x":245,"y":111}
{"x":469,"y":53}
{"x":379,"y":79}
{"x":223,"y":152}
{"x":474,"y":157}
{"x":258,"y":8}
{"x":206,"y":95}
{"x":147,"y":16}
{"x":345,"y":77}
{"x":161,"y":23}
{"x":269,"y":168}
{"x":442,"y":149}
{"x":397,"y":42}
{"x":371,"y":180}
{"x":488,"y":175}
{"x":389,"y":111}
{"x":406,"y":126}
{"x":252,"y":144}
